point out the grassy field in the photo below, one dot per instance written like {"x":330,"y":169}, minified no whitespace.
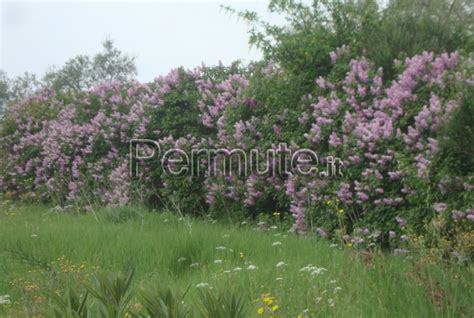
{"x":43,"y":251}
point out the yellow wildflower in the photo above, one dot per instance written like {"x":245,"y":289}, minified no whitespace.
{"x":275,"y":308}
{"x":268,"y":300}
{"x":260,"y":311}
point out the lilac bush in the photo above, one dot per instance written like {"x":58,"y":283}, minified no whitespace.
{"x":73,"y":148}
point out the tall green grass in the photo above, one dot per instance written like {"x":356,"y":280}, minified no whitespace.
{"x":43,"y":251}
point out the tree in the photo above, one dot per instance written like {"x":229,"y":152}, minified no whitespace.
{"x":79,"y":73}
{"x":16,"y":88}
{"x":83,"y":72}
{"x":383,"y":31}
{"x":3,"y":90}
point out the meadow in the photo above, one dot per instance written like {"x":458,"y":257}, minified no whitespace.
{"x":268,"y":270}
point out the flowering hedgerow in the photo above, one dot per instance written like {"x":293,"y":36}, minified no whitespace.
{"x":74,"y":147}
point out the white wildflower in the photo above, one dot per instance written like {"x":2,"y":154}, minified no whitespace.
{"x":280,"y":264}
{"x":220,"y":248}
{"x":251,"y":267}
{"x":5,"y":300}
{"x":277,"y":243}
{"x":237,"y":269}
{"x":313,"y":270}
{"x":57,"y":208}
{"x":202,"y":285}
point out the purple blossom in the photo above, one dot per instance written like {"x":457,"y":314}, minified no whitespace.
{"x":440,"y":207}
{"x":357,"y":240}
{"x":303,"y":118}
{"x":321,"y":232}
{"x":401,"y":222}
{"x":334,"y":140}
{"x":457,"y":215}
{"x":277,"y":130}
{"x":362,"y":196}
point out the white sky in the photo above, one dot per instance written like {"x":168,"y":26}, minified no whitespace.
{"x":161,"y":35}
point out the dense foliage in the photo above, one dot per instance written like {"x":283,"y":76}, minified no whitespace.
{"x":78,"y":73}
{"x":405,"y":138}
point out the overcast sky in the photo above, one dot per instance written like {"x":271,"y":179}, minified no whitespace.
{"x":161,"y":35}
